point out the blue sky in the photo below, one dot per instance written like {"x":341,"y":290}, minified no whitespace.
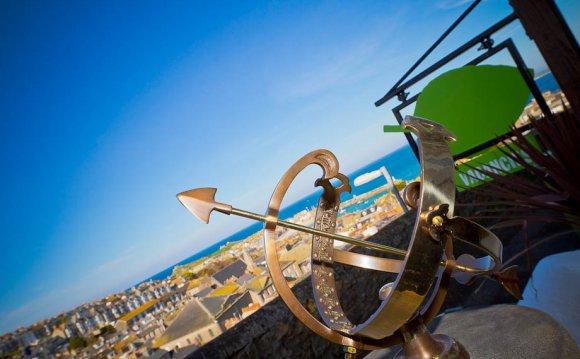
{"x":108,"y":109}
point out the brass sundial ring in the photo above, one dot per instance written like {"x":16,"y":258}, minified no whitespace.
{"x":424,"y":255}
{"x":329,"y":164}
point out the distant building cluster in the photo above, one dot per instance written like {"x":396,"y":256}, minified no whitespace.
{"x":197,"y":303}
{"x":556,"y":101}
{"x":105,"y":328}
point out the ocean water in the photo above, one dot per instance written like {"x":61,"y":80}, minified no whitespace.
{"x":401,"y":164}
{"x":207,"y":251}
{"x":547,"y":82}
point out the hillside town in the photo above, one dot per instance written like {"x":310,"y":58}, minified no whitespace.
{"x":198,"y":302}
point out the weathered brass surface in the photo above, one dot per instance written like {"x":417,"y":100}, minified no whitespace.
{"x":418,"y":292}
{"x":367,"y":262}
{"x":323,"y":285}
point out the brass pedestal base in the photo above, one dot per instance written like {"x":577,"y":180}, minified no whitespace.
{"x":433,"y":346}
{"x":419,"y":343}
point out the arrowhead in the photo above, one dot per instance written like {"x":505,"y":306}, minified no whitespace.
{"x":201,"y":202}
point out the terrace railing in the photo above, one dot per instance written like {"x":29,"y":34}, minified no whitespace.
{"x":486,"y":44}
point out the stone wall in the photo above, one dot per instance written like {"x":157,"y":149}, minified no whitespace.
{"x":273,"y":332}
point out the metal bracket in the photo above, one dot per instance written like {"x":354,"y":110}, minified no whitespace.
{"x":486,"y":44}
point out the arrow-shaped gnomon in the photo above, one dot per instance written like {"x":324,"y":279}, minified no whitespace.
{"x":201,"y":202}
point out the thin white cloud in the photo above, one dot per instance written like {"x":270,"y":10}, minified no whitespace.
{"x":345,"y":68}
{"x":112,"y":265}
{"x":451,"y":4}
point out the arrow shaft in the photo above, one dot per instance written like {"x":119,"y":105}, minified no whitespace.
{"x":201,"y":202}
{"x":298,"y":227}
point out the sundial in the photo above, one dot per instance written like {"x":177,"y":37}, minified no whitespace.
{"x":423,"y":271}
